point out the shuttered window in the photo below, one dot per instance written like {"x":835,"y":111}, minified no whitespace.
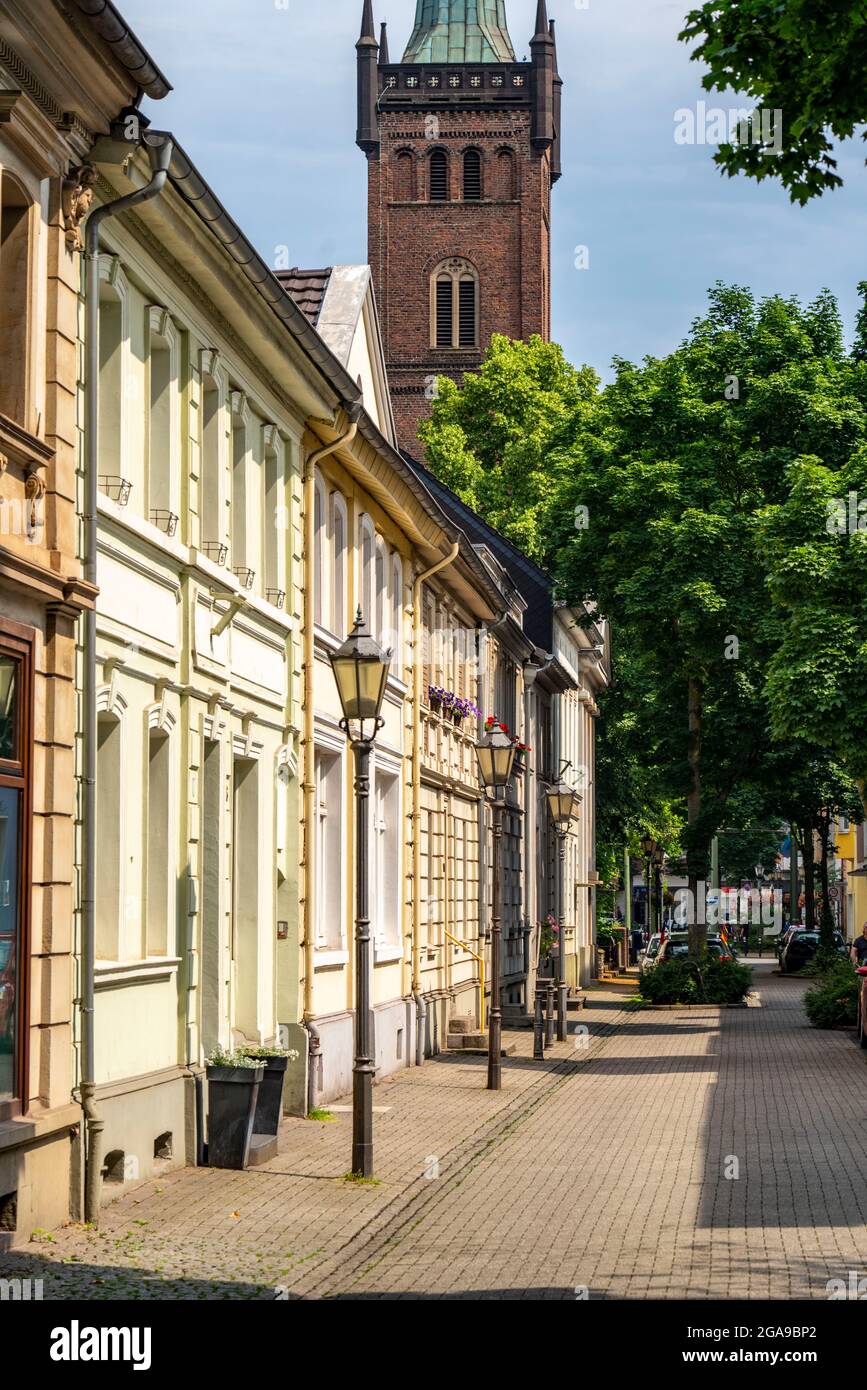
{"x":444,"y":312}
{"x":467,"y":314}
{"x":455,"y":305}
{"x":439,"y":177}
{"x":472,"y":176}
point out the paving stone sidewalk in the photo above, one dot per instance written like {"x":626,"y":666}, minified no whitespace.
{"x":691,"y":1153}
{"x":293,"y":1224}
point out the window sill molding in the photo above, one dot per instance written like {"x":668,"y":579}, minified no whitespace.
{"x":387,"y":955}
{"x":114,"y":974}
{"x":330,"y":960}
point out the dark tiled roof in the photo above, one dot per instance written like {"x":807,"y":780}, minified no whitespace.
{"x":534,"y":585}
{"x":307,"y":288}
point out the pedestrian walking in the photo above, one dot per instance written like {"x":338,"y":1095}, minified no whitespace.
{"x":858,"y":953}
{"x":637,"y":941}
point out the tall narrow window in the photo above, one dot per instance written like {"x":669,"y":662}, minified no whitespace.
{"x":328,"y":777}
{"x":158,"y":844}
{"x":247,"y":838}
{"x":338,"y":573}
{"x":396,"y":614}
{"x":439,"y":177}
{"x":472,"y":176}
{"x":367,"y":576}
{"x":15,"y":777}
{"x":276,"y":517}
{"x":444,"y":311}
{"x":380,"y":632}
{"x":317,"y":559}
{"x":108,"y":837}
{"x":113,"y":463}
{"x":163,"y":419}
{"x":15,"y":299}
{"x":387,"y":866}
{"x":214,"y":437}
{"x":467,"y":313}
{"x":241,"y":518}
{"x":455,"y":305}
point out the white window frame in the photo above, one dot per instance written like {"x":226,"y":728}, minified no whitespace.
{"x":332,"y":745}
{"x":339,"y":567}
{"x":386,"y":843}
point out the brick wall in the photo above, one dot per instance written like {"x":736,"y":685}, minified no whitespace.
{"x":507,"y":239}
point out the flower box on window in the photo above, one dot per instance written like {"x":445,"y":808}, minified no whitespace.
{"x":116,"y":488}
{"x":216,"y":551}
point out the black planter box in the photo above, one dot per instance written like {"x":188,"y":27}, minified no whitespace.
{"x":269,"y":1106}
{"x":233,"y":1093}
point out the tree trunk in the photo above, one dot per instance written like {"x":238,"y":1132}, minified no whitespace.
{"x":826,"y":918}
{"x":808,"y":856}
{"x":697,"y":929}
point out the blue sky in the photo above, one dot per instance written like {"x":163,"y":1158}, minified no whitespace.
{"x":264,"y":102}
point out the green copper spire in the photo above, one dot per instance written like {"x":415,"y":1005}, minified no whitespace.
{"x":460,"y":31}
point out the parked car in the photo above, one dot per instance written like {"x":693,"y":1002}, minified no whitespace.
{"x":676,"y":947}
{"x":783,"y":941}
{"x":800,"y":948}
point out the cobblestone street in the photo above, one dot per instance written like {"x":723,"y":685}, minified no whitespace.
{"x":602,"y":1169}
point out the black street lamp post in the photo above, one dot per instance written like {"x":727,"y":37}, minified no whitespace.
{"x":496,"y":755}
{"x":658,"y":861}
{"x":563,"y":802}
{"x":360,"y":669}
{"x":648,"y":850}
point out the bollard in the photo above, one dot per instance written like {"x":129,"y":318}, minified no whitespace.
{"x":549,"y":1021}
{"x":539,"y":1022}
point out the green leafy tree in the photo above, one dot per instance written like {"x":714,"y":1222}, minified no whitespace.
{"x":679,"y":460}
{"x":497,"y":440}
{"x":803,"y":58}
{"x":817,"y":564}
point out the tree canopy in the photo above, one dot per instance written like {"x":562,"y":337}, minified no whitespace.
{"x":803,"y":58}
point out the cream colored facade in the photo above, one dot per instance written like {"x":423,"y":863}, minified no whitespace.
{"x":205,"y":395}
{"x":376,"y":534}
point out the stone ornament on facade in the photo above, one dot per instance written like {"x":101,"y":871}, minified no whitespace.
{"x":77,"y":199}
{"x":34,"y":491}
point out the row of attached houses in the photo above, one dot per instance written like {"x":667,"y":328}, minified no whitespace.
{"x":176,"y":801}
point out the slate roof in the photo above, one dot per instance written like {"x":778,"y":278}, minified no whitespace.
{"x":307,"y":288}
{"x":534,"y":585}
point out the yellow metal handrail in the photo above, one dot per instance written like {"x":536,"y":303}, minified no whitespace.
{"x":481,"y":960}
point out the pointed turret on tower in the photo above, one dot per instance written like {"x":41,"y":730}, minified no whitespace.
{"x":542,"y":50}
{"x":556,"y":148}
{"x":367,"y":133}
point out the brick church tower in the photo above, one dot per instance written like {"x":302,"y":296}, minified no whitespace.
{"x":462,"y":145}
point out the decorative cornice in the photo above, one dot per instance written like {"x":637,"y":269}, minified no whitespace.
{"x":67,"y":122}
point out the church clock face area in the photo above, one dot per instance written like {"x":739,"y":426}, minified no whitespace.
{"x":463,"y":147}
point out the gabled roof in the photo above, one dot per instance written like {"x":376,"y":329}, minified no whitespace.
{"x":307,"y":288}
